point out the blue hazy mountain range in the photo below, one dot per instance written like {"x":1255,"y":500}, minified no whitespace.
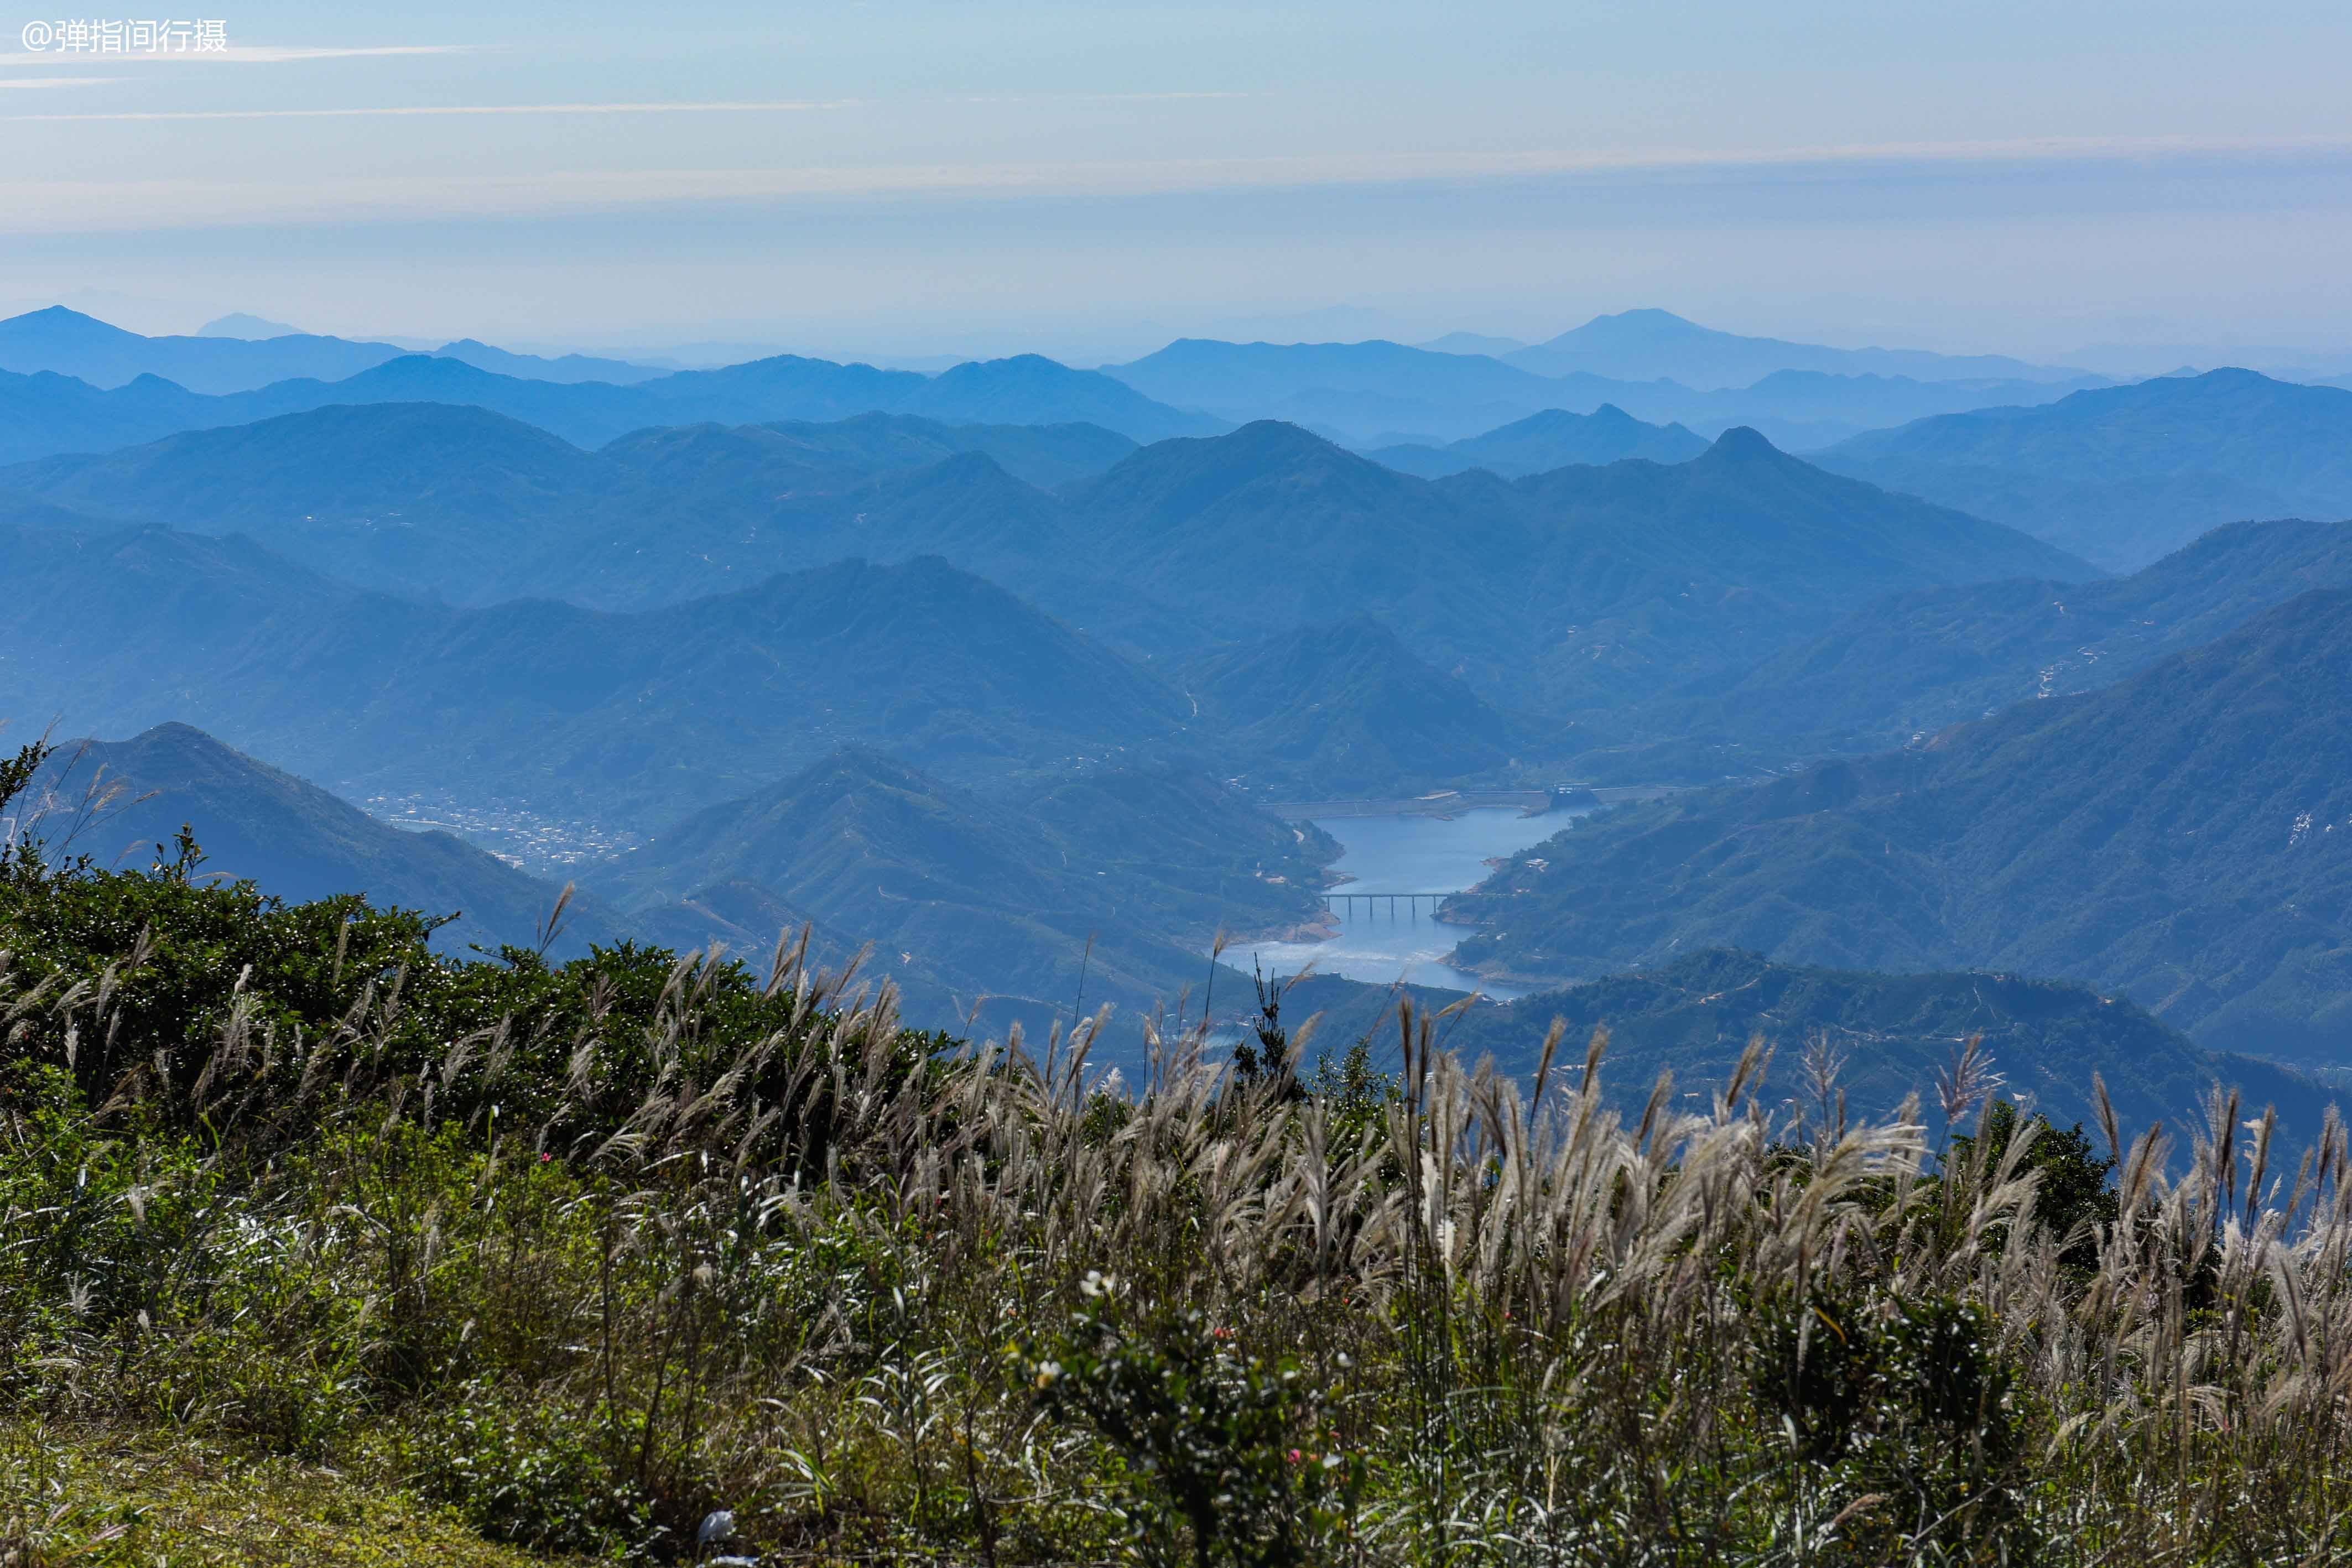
{"x":1541,"y":441}
{"x":1130,"y":870}
{"x":1901,"y":670}
{"x":1695,"y":1014}
{"x":2123,"y":475}
{"x":2175,"y":836}
{"x":70,"y":343}
{"x":1381,"y":393}
{"x":1581,"y":587}
{"x":51,"y":408}
{"x":463,"y":504}
{"x":1657,"y":344}
{"x":1362,"y":391}
{"x":631,"y":719}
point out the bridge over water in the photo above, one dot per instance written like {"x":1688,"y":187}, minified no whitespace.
{"x":1346,"y":903}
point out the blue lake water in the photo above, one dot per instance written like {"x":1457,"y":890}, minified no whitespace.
{"x":1405,"y":854}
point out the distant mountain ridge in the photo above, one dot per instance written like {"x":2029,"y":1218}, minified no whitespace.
{"x":1347,"y":709}
{"x":1542,"y":441}
{"x":1582,"y":588}
{"x":460,"y":502}
{"x":70,"y":343}
{"x":565,"y":368}
{"x":1896,"y":671}
{"x":1657,"y":344}
{"x":2122,"y":475}
{"x":635,"y":719}
{"x":2184,"y":836}
{"x":289,"y":837}
{"x":124,"y":400}
{"x":1365,"y":390}
{"x":1125,"y":874}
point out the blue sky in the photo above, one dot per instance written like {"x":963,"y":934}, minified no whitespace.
{"x":897,"y":177}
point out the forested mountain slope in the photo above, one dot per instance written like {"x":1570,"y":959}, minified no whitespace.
{"x":2184,"y":837}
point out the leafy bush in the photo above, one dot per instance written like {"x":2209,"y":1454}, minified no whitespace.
{"x":1226,"y":1459}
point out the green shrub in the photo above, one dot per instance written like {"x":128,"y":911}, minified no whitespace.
{"x":1226,"y":1458}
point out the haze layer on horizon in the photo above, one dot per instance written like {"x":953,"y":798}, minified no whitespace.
{"x":1091,"y":180}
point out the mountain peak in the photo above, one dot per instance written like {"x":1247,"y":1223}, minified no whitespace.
{"x":57,"y":324}
{"x":1742,"y":444}
{"x":247,"y":327}
{"x":1275,"y":436}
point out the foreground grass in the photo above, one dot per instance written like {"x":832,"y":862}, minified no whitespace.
{"x":580,"y":1254}
{"x":158,"y":1500}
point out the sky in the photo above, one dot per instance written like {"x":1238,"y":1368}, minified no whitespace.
{"x":900,"y":178}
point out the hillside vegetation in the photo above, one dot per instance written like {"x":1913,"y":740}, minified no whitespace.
{"x":2178,"y":837}
{"x":124,"y":803}
{"x":1909,"y":665}
{"x":580,"y":1254}
{"x":639,"y":719}
{"x":1695,"y":1016}
{"x":2121,"y":476}
{"x":1111,"y":885}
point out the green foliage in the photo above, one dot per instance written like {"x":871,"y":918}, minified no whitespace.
{"x":577,"y":1252}
{"x":2073,"y":1195}
{"x":1906,"y":1408}
{"x":1226,"y":1460}
{"x":517,"y":1470}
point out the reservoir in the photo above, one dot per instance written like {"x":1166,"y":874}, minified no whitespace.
{"x":1405,"y":854}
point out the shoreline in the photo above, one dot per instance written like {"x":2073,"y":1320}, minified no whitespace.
{"x":1453,"y":804}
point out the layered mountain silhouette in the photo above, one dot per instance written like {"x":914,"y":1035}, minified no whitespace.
{"x":1658,"y":344}
{"x":54,"y":414}
{"x":245,"y":324}
{"x":1582,"y":588}
{"x":72,"y":344}
{"x":544,"y":368}
{"x":467,"y":505}
{"x":1345,"y":710}
{"x":2181,"y":837}
{"x":123,"y":803}
{"x":1128,"y":873}
{"x":1797,"y":394}
{"x":1542,"y":441}
{"x":1901,"y":669}
{"x":2123,"y":475}
{"x":635,"y":718}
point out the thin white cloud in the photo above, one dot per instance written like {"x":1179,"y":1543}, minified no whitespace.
{"x":6,"y":83}
{"x":1094,"y":96}
{"x":236,"y":54}
{"x":59,"y":206}
{"x":797,"y":105}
